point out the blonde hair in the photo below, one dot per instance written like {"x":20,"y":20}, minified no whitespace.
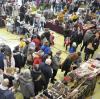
{"x":5,"y":82}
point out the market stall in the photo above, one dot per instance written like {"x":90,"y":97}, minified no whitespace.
{"x":79,"y":84}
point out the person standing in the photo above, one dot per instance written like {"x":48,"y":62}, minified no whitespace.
{"x":2,"y":59}
{"x":26,"y":84}
{"x":47,"y":71}
{"x":96,"y":42}
{"x":5,"y":93}
{"x":88,"y":50}
{"x":56,"y":62}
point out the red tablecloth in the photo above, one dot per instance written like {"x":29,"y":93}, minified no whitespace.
{"x":54,"y":27}
{"x":59,"y":29}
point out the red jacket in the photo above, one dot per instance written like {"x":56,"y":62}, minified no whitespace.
{"x":37,"y":43}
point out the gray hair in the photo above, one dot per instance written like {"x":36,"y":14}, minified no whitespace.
{"x":48,"y":61}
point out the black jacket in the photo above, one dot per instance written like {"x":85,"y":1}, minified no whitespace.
{"x":47,"y":71}
{"x":38,"y":79}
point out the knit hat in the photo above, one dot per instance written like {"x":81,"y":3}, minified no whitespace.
{"x":27,"y":74}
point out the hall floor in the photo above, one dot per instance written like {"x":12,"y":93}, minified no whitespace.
{"x":13,"y":40}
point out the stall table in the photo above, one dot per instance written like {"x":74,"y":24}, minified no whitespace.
{"x":59,"y":29}
{"x":87,"y":73}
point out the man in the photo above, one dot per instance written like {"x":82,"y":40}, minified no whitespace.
{"x":46,"y":70}
{"x":56,"y":61}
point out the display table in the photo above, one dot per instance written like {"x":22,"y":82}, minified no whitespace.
{"x":59,"y":29}
{"x":54,"y":27}
{"x":84,"y":82}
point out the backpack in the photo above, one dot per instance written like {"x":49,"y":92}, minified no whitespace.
{"x":6,"y":94}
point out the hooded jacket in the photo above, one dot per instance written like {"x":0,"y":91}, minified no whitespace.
{"x":26,"y":86}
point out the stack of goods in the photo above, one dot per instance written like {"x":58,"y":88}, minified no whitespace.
{"x":88,"y":70}
{"x":88,"y":26}
{"x":58,"y":91}
{"x":61,"y":91}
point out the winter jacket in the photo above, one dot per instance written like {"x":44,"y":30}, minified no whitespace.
{"x":56,"y":62}
{"x":88,"y":36}
{"x":18,"y":59}
{"x":46,"y":49}
{"x":38,"y":79}
{"x":6,"y":94}
{"x":26,"y":86}
{"x":37,"y":43}
{"x":66,"y":64}
{"x":1,"y":61}
{"x":47,"y":71}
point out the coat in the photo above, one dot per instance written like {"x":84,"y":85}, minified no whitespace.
{"x":46,"y":49}
{"x":88,"y":36}
{"x":38,"y":79}
{"x":56,"y":62}
{"x":66,"y":64}
{"x":6,"y":94}
{"x":26,"y":86}
{"x":1,"y":61}
{"x":47,"y":71}
{"x":18,"y":59}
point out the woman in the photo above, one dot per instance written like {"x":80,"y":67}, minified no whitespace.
{"x":26,"y":84}
{"x":88,"y":51}
{"x":66,"y":65}
{"x":18,"y":57}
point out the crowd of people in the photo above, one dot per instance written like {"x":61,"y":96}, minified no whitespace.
{"x":33,"y":62}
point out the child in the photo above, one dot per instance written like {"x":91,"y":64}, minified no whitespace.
{"x":72,"y":49}
{"x":67,"y":41}
{"x":52,"y":38}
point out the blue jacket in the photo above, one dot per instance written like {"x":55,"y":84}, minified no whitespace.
{"x":6,"y":94}
{"x":46,"y":49}
{"x":1,"y":61}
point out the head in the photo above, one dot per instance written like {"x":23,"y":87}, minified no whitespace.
{"x":5,"y":82}
{"x":74,"y":44}
{"x":79,"y":53}
{"x":46,"y":43}
{"x":97,"y":35}
{"x":58,"y":53}
{"x":21,"y":39}
{"x":17,"y":70}
{"x":27,"y":74}
{"x":48,"y":61}
{"x":1,"y":71}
